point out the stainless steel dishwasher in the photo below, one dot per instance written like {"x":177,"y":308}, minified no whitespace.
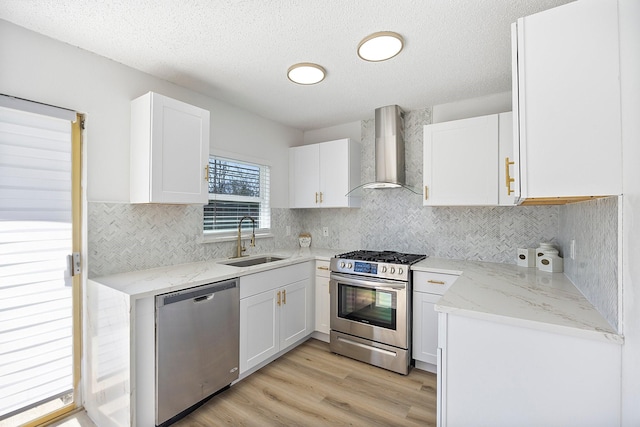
{"x":197,"y":346}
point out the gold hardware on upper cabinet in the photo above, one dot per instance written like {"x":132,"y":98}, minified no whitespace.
{"x":284,"y":297}
{"x":426,"y":192}
{"x":509,"y":180}
{"x":316,"y":197}
{"x":436,"y":282}
{"x":206,"y":173}
{"x":279,"y":301}
{"x":321,"y":197}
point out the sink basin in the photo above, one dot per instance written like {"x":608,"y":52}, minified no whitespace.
{"x":251,"y":261}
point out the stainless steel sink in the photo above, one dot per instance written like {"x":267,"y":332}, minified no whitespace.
{"x":251,"y":261}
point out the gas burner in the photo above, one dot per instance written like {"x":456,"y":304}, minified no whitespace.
{"x":390,"y":257}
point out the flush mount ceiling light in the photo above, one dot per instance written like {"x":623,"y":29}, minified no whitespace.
{"x":306,"y":73}
{"x":380,"y":46}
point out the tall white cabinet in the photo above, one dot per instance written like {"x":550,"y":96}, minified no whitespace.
{"x":321,"y":175}
{"x":169,"y":151}
{"x":464,"y":161}
{"x":566,"y":102}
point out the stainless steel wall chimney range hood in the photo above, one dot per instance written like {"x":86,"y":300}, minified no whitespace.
{"x":389,"y":155}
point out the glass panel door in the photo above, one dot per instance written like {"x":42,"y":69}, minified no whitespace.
{"x":366,"y":305}
{"x":39,"y":336}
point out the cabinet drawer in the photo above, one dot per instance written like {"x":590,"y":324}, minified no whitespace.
{"x":256,"y":283}
{"x":433,"y":283}
{"x":322,"y":268}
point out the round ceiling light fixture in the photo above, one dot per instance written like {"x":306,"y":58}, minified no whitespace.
{"x":380,"y":46}
{"x":306,"y":73}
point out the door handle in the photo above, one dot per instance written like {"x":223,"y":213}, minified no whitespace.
{"x":508,"y":177}
{"x":284,"y":296}
{"x":279,"y":300}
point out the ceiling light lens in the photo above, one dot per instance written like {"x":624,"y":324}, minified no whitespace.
{"x":306,"y":73}
{"x":380,"y":46}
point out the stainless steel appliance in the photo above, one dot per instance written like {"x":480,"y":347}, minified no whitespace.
{"x":197,"y":346}
{"x":371,"y":307}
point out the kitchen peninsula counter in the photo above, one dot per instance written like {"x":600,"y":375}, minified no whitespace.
{"x":519,"y":296}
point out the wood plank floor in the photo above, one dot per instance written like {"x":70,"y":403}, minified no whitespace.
{"x":310,"y":386}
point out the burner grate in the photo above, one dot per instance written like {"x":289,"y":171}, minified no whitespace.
{"x":390,"y":257}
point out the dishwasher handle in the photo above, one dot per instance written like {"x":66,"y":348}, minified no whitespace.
{"x":197,"y":294}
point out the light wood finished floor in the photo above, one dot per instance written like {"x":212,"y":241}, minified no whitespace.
{"x":310,"y":386}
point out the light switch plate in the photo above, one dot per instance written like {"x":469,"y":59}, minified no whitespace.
{"x":325,"y":231}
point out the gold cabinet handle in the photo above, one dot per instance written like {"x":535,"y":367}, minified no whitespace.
{"x":323,"y":268}
{"x":316,"y":197}
{"x":509,"y":179}
{"x":206,"y":173}
{"x":279,"y":301}
{"x":426,"y":192}
{"x":437,"y":282}
{"x":321,"y":197}
{"x":284,"y":297}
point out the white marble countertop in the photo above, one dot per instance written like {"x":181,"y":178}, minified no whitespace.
{"x":519,"y":296}
{"x":154,"y":281}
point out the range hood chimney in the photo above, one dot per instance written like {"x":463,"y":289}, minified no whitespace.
{"x":389,"y":155}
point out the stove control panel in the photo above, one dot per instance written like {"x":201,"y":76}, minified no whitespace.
{"x":371,"y":269}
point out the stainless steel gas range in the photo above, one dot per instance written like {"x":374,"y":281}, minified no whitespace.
{"x":371,"y":307}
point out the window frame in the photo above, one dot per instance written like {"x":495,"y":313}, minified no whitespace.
{"x":264,"y":199}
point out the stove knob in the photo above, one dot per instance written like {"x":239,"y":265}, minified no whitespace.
{"x":393,"y":270}
{"x":384,"y":268}
{"x":400,"y":270}
{"x":349,"y":266}
{"x":342,"y":264}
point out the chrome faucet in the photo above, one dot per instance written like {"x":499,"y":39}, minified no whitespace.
{"x":242,"y":248}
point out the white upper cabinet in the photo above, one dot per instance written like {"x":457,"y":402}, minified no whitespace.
{"x":566,"y":102}
{"x":462,"y":161}
{"x":169,"y":151}
{"x":321,"y":175}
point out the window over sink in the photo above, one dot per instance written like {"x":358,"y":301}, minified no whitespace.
{"x":236,"y":189}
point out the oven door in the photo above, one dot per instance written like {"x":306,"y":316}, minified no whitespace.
{"x":370,"y":308}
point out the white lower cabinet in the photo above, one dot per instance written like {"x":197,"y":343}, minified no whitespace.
{"x":536,"y":377}
{"x":428,"y":288}
{"x":276,"y":311}
{"x":322,"y":297}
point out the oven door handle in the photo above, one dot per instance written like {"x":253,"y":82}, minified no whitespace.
{"x":371,"y":284}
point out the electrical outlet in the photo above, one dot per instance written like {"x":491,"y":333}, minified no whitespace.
{"x":572,"y":249}
{"x":288,"y":230}
{"x":325,"y":231}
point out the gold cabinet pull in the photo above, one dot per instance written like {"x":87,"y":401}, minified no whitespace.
{"x":284,"y":296}
{"x":316,"y":197}
{"x":279,"y":301}
{"x":323,"y":268}
{"x":321,"y":197}
{"x":436,"y":282}
{"x":509,"y":179}
{"x":206,"y":173}
{"x":426,"y":192}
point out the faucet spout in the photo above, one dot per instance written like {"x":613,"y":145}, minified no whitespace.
{"x":241,"y":248}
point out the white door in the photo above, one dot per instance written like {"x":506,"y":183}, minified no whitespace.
{"x":259,"y":335}
{"x":294,"y":313}
{"x":304,"y":176}
{"x":39,"y":228}
{"x":425,"y":327}
{"x":334,"y":173}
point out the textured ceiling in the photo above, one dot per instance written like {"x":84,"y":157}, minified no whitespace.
{"x":238,"y":51}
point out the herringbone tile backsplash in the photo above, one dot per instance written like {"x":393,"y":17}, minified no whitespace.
{"x":124,"y":237}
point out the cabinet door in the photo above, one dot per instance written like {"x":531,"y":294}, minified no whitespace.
{"x":169,"y":151}
{"x":296,"y":313}
{"x":461,"y":162}
{"x":259,"y":329}
{"x":425,"y":327}
{"x":304,"y":176}
{"x":334,"y":173}
{"x":567,"y":62}
{"x":322,"y":297}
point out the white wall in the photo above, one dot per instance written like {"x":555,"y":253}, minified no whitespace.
{"x":44,"y":70}
{"x":491,"y":104}
{"x":629,"y":11}
{"x":351,"y":130}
